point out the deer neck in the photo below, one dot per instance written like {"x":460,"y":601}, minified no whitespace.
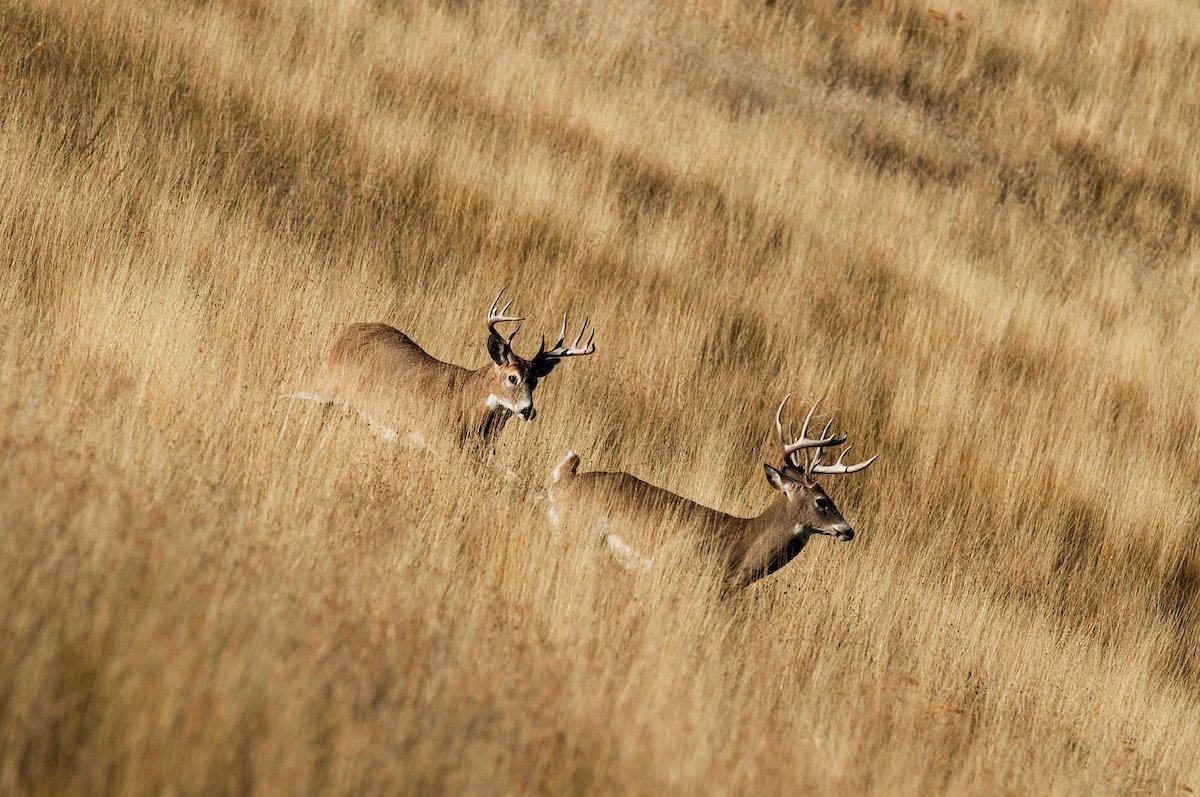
{"x":774,"y":520}
{"x":774,"y":530}
{"x":480,"y":421}
{"x":766,"y":542}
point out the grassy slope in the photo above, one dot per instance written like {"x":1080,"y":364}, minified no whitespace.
{"x":974,"y":230}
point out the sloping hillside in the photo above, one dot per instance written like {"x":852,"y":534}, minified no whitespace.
{"x":973,"y":228}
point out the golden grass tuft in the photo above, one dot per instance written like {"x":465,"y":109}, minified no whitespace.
{"x":973,"y":227}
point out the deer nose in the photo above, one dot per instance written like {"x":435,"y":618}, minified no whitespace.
{"x":528,"y":414}
{"x":846,"y":534}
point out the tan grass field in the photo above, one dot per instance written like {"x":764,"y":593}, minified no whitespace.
{"x":972,"y":227}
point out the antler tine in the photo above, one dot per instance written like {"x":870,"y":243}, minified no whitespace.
{"x":562,"y":333}
{"x":819,"y":452}
{"x":582,"y":331}
{"x":807,"y":418}
{"x":779,"y":423}
{"x":558,"y":351}
{"x":838,"y":467}
{"x":499,"y":315}
{"x":804,"y":441}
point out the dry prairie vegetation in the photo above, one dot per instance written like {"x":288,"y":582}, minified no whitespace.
{"x":973,"y":227}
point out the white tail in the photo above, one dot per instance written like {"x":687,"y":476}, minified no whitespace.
{"x":748,"y":547}
{"x":568,"y":466}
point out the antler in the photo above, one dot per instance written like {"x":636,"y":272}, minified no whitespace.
{"x":803,"y":441}
{"x":836,"y":468}
{"x":557,"y":351}
{"x":814,"y":466}
{"x":500,"y":316}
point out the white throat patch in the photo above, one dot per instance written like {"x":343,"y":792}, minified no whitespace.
{"x":495,"y":402}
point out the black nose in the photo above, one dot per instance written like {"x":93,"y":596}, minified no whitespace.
{"x":847,"y":535}
{"x":529,"y":413}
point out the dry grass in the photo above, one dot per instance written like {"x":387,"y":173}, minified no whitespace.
{"x":973,"y":227}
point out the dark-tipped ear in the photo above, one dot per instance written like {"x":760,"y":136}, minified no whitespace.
{"x":499,"y":349}
{"x":774,"y":477}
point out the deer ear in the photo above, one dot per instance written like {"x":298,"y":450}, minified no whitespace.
{"x":499,"y":349}
{"x":774,"y":477}
{"x":540,"y":367}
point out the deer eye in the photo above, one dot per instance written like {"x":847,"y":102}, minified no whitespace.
{"x":512,"y":379}
{"x":823,"y":504}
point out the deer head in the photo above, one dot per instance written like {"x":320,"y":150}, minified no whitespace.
{"x":806,"y":504}
{"x":513,"y":379}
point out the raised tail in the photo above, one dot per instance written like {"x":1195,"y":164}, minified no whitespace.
{"x":567,"y":467}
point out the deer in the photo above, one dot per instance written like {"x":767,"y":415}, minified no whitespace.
{"x":394,"y":384}
{"x":745,"y":548}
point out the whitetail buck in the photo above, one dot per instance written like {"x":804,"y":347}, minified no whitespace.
{"x":395,"y":385}
{"x":631,"y":513}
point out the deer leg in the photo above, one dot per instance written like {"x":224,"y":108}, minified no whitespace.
{"x":387,"y":434}
{"x":627,"y":558}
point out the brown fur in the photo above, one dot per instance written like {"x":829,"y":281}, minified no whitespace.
{"x":382,"y":372}
{"x":747,"y":548}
